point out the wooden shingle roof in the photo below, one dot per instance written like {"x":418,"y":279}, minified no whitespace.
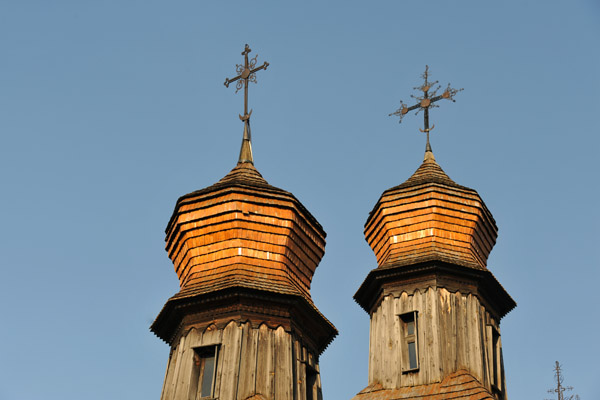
{"x":431,"y":217}
{"x":243,"y":232}
{"x":458,"y":385}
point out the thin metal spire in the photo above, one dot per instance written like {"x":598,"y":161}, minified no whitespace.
{"x":246,"y":73}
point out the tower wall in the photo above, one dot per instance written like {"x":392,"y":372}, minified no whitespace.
{"x":252,"y":363}
{"x":454,"y":332}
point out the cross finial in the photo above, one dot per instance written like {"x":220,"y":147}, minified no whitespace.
{"x":246,"y":73}
{"x":426,"y":101}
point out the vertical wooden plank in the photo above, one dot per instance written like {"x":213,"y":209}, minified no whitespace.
{"x":405,"y":307}
{"x":385,"y":344}
{"x":423,"y":350}
{"x":185,"y":372}
{"x":216,"y":336}
{"x":373,"y":347}
{"x":452,"y":339}
{"x":443,"y":327}
{"x":192,"y":341}
{"x":230,"y":350}
{"x":319,"y":387}
{"x":247,"y":374}
{"x":392,"y":342}
{"x":401,"y":308}
{"x":172,"y":380}
{"x":447,"y":331}
{"x":487,"y":382}
{"x":167,"y":383}
{"x":169,"y":369}
{"x":472,"y":337}
{"x":305,"y":378}
{"x":420,"y":305}
{"x":388,"y":342}
{"x":377,"y":371}
{"x":212,"y":336}
{"x":193,"y":338}
{"x":299,"y":371}
{"x":476,"y":336}
{"x":435,"y":372}
{"x":372,"y":339}
{"x":265,"y":374}
{"x":502,"y":376}
{"x":427,"y":334}
{"x":284,"y":384}
{"x":396,"y":332}
{"x":461,"y":344}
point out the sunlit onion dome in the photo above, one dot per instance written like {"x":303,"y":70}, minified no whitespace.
{"x":243,"y":232}
{"x":430,"y":217}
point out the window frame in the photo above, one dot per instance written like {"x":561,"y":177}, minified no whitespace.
{"x":199,"y":357}
{"x":407,"y":339}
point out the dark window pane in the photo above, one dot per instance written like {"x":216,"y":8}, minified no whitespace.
{"x":412,"y":355}
{"x":410,"y":327}
{"x":311,"y":383}
{"x":207,"y":376}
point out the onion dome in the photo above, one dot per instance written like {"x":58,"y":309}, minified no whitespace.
{"x":430,"y":217}
{"x":243,"y":232}
{"x":244,"y":251}
{"x":431,"y":231}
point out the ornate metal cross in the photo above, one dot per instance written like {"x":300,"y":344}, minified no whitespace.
{"x":426,"y":101}
{"x":246,"y":73}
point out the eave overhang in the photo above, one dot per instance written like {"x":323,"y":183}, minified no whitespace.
{"x":293,"y":312}
{"x":394,"y":279}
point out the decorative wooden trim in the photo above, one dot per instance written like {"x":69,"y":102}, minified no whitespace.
{"x":293,"y":312}
{"x":482,"y":283}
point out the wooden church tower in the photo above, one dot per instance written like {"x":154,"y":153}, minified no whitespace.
{"x":435,"y":307}
{"x":243,"y":325}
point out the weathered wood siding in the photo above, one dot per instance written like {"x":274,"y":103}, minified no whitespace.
{"x":252,"y":361}
{"x":453,"y":333}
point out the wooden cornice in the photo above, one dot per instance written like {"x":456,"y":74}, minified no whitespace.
{"x":393,"y":280}
{"x":293,"y":312}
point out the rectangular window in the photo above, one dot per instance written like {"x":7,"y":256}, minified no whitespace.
{"x":410,"y":346}
{"x":311,"y":383}
{"x":203,"y":372}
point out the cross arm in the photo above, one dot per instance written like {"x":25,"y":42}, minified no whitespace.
{"x":448,"y":94}
{"x":403,"y":110}
{"x":413,"y":107}
{"x":228,"y":81}
{"x":436,"y":98}
{"x":264,"y":66}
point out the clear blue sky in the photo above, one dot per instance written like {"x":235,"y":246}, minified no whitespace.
{"x":110,"y":110}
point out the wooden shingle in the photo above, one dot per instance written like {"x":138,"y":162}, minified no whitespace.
{"x":428,"y":216}
{"x":243,"y":231}
{"x":458,"y":385}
